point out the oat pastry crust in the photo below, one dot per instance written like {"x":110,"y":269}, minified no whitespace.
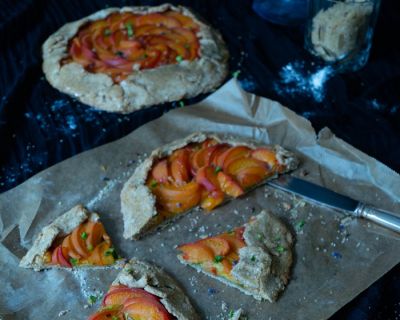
{"x":142,"y":275}
{"x":138,"y":203}
{"x":142,"y":88}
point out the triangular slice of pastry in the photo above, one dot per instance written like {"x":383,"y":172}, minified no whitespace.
{"x":255,"y":258}
{"x":75,"y":239}
{"x":201,"y":170}
{"x":144,"y":291}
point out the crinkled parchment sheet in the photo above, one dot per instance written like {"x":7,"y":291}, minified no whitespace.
{"x":336,"y":258}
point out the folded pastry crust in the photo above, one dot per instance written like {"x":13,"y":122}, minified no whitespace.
{"x":138,"y":203}
{"x":143,"y":88}
{"x":264,"y":265}
{"x":139,"y":274}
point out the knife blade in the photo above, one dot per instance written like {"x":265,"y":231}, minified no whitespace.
{"x":337,"y":201}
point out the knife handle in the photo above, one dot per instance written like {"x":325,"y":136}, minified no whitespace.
{"x":381,"y":217}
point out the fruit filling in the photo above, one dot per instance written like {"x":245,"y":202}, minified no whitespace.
{"x":123,"y":303}
{"x":87,"y":244}
{"x":206,"y":174}
{"x":126,"y":42}
{"x":216,"y":255}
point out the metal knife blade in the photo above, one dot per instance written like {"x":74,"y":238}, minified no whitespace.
{"x":314,"y":193}
{"x":332,"y":199}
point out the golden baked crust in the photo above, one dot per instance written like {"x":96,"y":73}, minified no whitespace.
{"x":138,"y":204}
{"x":142,"y":88}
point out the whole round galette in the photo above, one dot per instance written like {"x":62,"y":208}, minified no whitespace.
{"x":125,"y":59}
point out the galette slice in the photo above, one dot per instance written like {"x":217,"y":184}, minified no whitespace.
{"x":202,"y":170}
{"x":75,"y":239}
{"x":144,"y":291}
{"x":255,"y":258}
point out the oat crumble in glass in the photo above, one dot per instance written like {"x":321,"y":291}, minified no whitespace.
{"x":340,"y":32}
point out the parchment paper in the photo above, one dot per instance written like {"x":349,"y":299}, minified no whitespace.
{"x":336,"y":257}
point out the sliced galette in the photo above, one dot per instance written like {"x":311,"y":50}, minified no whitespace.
{"x":144,"y":291}
{"x":201,"y":170}
{"x":75,"y":239}
{"x":255,"y":258}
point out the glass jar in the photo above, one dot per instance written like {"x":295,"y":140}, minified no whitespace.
{"x":284,"y":12}
{"x":340,"y":32}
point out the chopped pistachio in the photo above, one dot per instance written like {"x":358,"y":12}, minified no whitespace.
{"x":181,"y":104}
{"x":236,"y":73}
{"x":129,"y":29}
{"x":218,"y":169}
{"x":300,"y":225}
{"x":107,"y":32}
{"x":84,"y":235}
{"x":260,"y":236}
{"x":231,"y":314}
{"x":218,"y":258}
{"x":153,"y":183}
{"x":92,"y":299}
{"x":109,"y":252}
{"x":280,"y":249}
{"x":253,"y":258}
{"x":179,"y":58}
{"x":89,"y":247}
{"x":73,"y":261}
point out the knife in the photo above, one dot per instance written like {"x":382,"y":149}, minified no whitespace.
{"x":334,"y":200}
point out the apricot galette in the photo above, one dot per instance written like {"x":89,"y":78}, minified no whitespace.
{"x":143,"y":291}
{"x":125,"y":59}
{"x":200,"y":170}
{"x":255,"y":258}
{"x":75,"y":239}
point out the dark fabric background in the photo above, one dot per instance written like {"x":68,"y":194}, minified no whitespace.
{"x":40,"y":126}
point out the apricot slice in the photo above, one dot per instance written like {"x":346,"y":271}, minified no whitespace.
{"x":180,"y":170}
{"x":157,"y":20}
{"x":122,"y":295}
{"x":219,"y":246}
{"x":94,"y":232}
{"x":239,"y":164}
{"x":248,"y":177}
{"x":265,"y":155}
{"x":70,"y":251}
{"x":108,"y":314}
{"x":160,"y":171}
{"x":196,"y":252}
{"x":221,"y":148}
{"x":212,"y":200}
{"x":185,"y":21}
{"x":232,"y":154}
{"x":99,"y":256}
{"x":61,"y":260}
{"x":228,"y":185}
{"x":207,"y":177}
{"x":78,"y":244}
{"x":170,"y":192}
{"x":142,"y":308}
{"x":234,"y":242}
{"x":198,"y":160}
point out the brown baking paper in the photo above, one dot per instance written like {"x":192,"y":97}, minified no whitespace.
{"x":335,"y":257}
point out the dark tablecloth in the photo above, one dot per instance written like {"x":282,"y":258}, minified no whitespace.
{"x":40,"y":126}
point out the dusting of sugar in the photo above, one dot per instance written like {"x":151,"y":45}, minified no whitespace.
{"x":100,"y":195}
{"x":297,"y":78}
